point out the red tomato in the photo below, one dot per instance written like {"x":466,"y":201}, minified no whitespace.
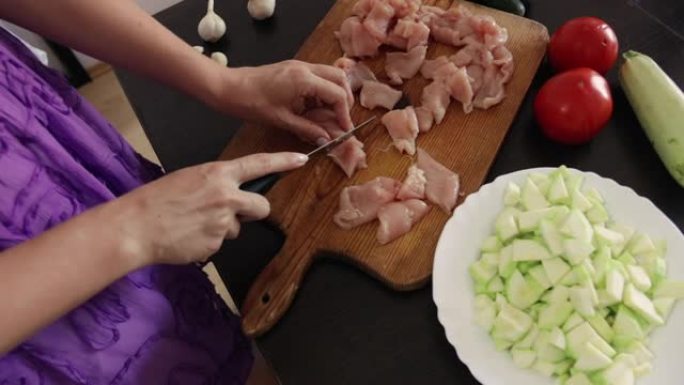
{"x":583,"y":42}
{"x":572,"y":107}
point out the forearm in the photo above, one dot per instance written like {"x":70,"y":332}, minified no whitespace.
{"x":121,"y":33}
{"x":44,"y":278}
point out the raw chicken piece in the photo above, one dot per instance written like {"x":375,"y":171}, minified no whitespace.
{"x":430,"y":66}
{"x":363,"y":7}
{"x":425,"y":119}
{"x":427,"y":14}
{"x":473,"y":53}
{"x":376,"y":94}
{"x":442,"y":184}
{"x":436,"y":99}
{"x":402,"y":125}
{"x":414,"y":185}
{"x":460,"y":89}
{"x":504,"y":59}
{"x":397,"y":219}
{"x":404,"y":8}
{"x":404,"y":65}
{"x":356,"y":72}
{"x":360,"y":204}
{"x":407,"y":34}
{"x":355,"y":39}
{"x":349,"y":156}
{"x":452,"y":27}
{"x":487,"y":32}
{"x":492,"y":90}
{"x":377,"y":21}
{"x":476,"y":75}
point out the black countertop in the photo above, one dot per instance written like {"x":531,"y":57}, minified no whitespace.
{"x":344,"y":327}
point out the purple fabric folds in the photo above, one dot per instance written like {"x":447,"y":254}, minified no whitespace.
{"x":159,"y":325}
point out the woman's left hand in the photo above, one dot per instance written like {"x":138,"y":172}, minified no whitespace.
{"x":279,"y":94}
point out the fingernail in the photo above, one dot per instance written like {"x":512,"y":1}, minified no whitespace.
{"x":321,"y":141}
{"x":302,"y":158}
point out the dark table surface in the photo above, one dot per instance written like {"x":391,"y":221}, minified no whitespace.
{"x":344,"y":327}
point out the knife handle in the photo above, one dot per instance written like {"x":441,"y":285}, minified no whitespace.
{"x":260,"y":185}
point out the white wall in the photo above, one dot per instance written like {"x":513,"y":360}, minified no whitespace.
{"x":151,"y":6}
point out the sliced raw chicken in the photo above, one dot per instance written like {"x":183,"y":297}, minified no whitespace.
{"x":487,"y":31}
{"x":492,"y":90}
{"x":397,"y":219}
{"x":474,"y":53}
{"x":436,"y":99}
{"x":356,"y":72}
{"x":355,"y":39}
{"x":460,"y":89}
{"x":442,"y":184}
{"x":362,"y":7}
{"x":402,"y":126}
{"x":360,"y":204}
{"x":407,"y":34}
{"x":428,"y":14}
{"x":349,"y":156}
{"x":376,"y":94}
{"x":503,"y":58}
{"x":452,"y":27}
{"x":404,"y":65}
{"x":377,"y":21}
{"x":425,"y":119}
{"x":431,"y":66}
{"x":414,"y":185}
{"x":404,"y":8}
{"x":476,"y":75}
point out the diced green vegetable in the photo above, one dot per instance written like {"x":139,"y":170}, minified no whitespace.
{"x":511,"y":324}
{"x":567,"y":292}
{"x":506,"y":224}
{"x":491,"y":245}
{"x":529,"y":250}
{"x":670,"y":289}
{"x":531,"y":197}
{"x":523,"y":358}
{"x":512,"y":194}
{"x":577,"y":226}
{"x":485,"y":311}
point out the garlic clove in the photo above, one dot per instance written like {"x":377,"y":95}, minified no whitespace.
{"x":220,"y":58}
{"x":198,"y":48}
{"x":261,"y":9}
{"x":212,"y":27}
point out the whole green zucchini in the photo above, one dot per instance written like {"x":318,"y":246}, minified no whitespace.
{"x":659,"y":106}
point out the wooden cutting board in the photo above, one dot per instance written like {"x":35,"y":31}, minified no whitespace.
{"x":304,"y":201}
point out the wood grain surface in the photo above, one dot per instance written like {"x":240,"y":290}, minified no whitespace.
{"x":304,"y":201}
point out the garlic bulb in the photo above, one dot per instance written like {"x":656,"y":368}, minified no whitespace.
{"x":261,"y":9}
{"x":211,"y":27}
{"x":220,"y":58}
{"x":198,"y":48}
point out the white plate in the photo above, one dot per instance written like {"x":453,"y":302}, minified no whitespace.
{"x":453,"y":290}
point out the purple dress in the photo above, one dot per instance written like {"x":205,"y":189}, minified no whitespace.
{"x":158,"y":325}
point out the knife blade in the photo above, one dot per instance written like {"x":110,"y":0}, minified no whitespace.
{"x":263,"y":184}
{"x":340,"y":139}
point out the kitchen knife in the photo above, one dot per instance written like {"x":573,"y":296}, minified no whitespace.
{"x":264,"y":183}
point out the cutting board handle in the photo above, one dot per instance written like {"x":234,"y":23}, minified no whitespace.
{"x":275,"y":288}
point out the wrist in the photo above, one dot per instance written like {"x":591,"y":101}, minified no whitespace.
{"x":126,"y":235}
{"x":229,"y":92}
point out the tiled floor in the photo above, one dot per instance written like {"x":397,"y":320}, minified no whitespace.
{"x":105,"y":93}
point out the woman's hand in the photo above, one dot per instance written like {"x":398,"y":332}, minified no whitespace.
{"x":279,"y":94}
{"x":185,"y":216}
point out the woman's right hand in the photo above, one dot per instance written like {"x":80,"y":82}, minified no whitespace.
{"x":184,"y":216}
